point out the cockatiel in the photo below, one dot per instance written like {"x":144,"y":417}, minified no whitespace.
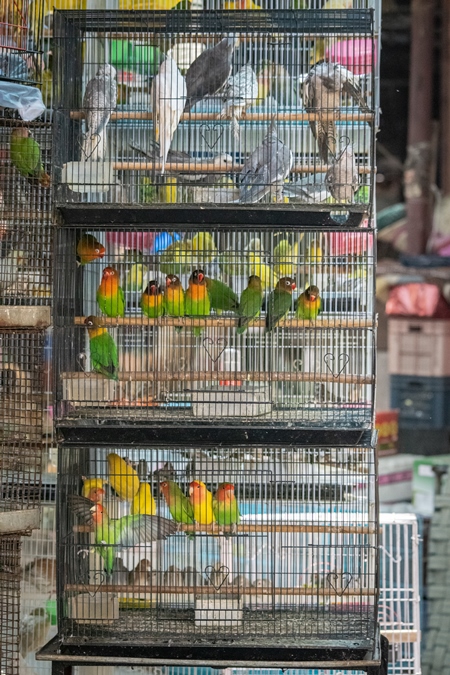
{"x":210,"y":71}
{"x":168,"y":101}
{"x":241,"y":92}
{"x":103,"y":349}
{"x":99,"y":101}
{"x":342,"y":178}
{"x":322,"y":92}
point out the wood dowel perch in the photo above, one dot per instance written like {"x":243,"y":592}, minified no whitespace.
{"x":231,"y":322}
{"x":188,"y":167}
{"x":213,"y":593}
{"x":265,"y":528}
{"x":250,"y":117}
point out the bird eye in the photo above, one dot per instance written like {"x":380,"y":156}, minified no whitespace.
{"x":97,"y":250}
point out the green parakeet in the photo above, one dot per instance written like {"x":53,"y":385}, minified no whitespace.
{"x":222,"y":297}
{"x":279,"y":302}
{"x":308,"y":304}
{"x":104,"y":358}
{"x":196,"y":298}
{"x":250,"y":304}
{"x":179,"y":505}
{"x":25,"y":155}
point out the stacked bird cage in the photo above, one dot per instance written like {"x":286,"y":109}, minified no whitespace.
{"x":10,"y":547}
{"x":20,"y":41}
{"x":214,"y":337}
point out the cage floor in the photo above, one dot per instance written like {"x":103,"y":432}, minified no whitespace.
{"x":285,"y":629}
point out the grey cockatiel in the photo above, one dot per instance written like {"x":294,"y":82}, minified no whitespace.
{"x":322,"y":91}
{"x":210,"y":70}
{"x":99,"y":101}
{"x":342,"y":179}
{"x":241,"y":91}
{"x":265,"y":169}
{"x":168,"y":99}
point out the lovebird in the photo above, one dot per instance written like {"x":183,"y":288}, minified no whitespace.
{"x":25,"y":155}
{"x":110,"y":296}
{"x":222,"y":297}
{"x":308,"y":304}
{"x":152,"y":300}
{"x":174,"y":298}
{"x":112,"y":536}
{"x":122,"y":477}
{"x":250,"y":303}
{"x":179,"y":505}
{"x":196,"y":298}
{"x":91,"y":484}
{"x":89,"y":249}
{"x":279,"y":302}
{"x":226,"y":508}
{"x":202,"y":503}
{"x":104,"y":357}
{"x":143,"y":501}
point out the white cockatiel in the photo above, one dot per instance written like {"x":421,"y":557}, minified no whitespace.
{"x":241,"y":92}
{"x":168,"y":101}
{"x":99,"y":101}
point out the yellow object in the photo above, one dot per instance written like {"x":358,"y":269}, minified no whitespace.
{"x":122,"y":477}
{"x":90,"y":484}
{"x":202,"y":503}
{"x":143,"y":502}
{"x":267,"y":275}
{"x":203,"y":247}
{"x":314,"y":253}
{"x":318,"y":50}
{"x":241,"y":4}
{"x":147,"y":4}
{"x":168,"y":191}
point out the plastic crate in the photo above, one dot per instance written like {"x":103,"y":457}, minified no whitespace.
{"x":423,"y":402}
{"x":418,"y":346}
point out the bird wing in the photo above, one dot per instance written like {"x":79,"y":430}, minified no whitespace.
{"x":104,"y":352}
{"x":209,"y":72}
{"x":100,"y":99}
{"x":351,"y":87}
{"x":81,"y":506}
{"x":141,"y":529}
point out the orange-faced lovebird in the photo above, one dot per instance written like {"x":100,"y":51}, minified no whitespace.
{"x":226,"y":508}
{"x":103,"y":349}
{"x":279,"y":302}
{"x":89,"y":249}
{"x":152,"y":300}
{"x":110,"y":296}
{"x":196,"y":298}
{"x":202,"y":502}
{"x":308,"y":304}
{"x":179,"y":505}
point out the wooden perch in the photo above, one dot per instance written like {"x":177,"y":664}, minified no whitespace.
{"x":265,"y":528}
{"x":209,"y":167}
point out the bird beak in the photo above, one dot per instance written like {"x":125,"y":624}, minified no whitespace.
{"x":168,"y":282}
{"x":200,"y":277}
{"x":293,"y":287}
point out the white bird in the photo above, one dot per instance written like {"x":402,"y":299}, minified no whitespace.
{"x":168,"y":100}
{"x":99,"y":101}
{"x":241,"y":91}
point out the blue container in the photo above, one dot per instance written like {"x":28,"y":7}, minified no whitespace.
{"x":423,"y":402}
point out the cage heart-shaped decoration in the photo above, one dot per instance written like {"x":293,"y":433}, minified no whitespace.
{"x":98,"y":578}
{"x":217,"y":576}
{"x":339,"y":362}
{"x":211,"y":134}
{"x":339,"y":581}
{"x":215,"y":348}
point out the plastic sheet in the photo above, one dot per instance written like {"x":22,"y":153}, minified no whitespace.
{"x":27,"y":100}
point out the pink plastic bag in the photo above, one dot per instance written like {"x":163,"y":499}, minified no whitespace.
{"x":356,"y":55}
{"x":417,"y":300}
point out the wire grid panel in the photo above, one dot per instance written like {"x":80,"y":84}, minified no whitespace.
{"x":20,"y":41}
{"x":25,"y":213}
{"x":154,"y":117}
{"x":23,"y":417}
{"x":293,"y":558}
{"x":226,"y":357}
{"x":9,"y":604}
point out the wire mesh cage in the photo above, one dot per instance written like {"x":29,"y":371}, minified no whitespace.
{"x":197,"y":331}
{"x":235,"y":548}
{"x":238,"y":116}
{"x":9,"y":604}
{"x":25,"y":212}
{"x":20,"y":40}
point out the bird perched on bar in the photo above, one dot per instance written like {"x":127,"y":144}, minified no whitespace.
{"x":250,"y":303}
{"x":41,"y":573}
{"x":142,"y":574}
{"x":196,"y":298}
{"x":279,"y":302}
{"x":225,"y":505}
{"x":322,"y":91}
{"x":152,"y":300}
{"x":99,"y":101}
{"x":110,"y":295}
{"x":89,"y":249}
{"x":143,"y":501}
{"x":266,"y":169}
{"x":210,"y":71}
{"x":202,"y":502}
{"x":25,"y":154}
{"x":240,"y":93}
{"x":174,"y":298}
{"x":178,"y":504}
{"x":113,"y":535}
{"x":168,"y":101}
{"x":103,"y":349}
{"x":342,"y":178}
{"x":308,"y":304}
{"x":222,"y":297}
{"x":91,"y":484}
{"x":123,"y":477}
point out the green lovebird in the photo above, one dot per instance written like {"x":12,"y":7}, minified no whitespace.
{"x":25,"y":155}
{"x":279,"y":302}
{"x":174,"y":298}
{"x":196,"y":298}
{"x":250,"y":304}
{"x":110,"y":296}
{"x":112,"y":536}
{"x":152,"y":300}
{"x":104,"y":359}
{"x":226,"y":508}
{"x":308,"y":304}
{"x":179,"y":505}
{"x":222,"y":297}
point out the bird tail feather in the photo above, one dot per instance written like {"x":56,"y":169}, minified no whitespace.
{"x":94,"y":147}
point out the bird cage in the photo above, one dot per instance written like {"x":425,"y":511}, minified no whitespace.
{"x":20,"y":41}
{"x":240,"y":117}
{"x":25,"y":214}
{"x":282,"y":561}
{"x":10,"y":547}
{"x":182,"y":363}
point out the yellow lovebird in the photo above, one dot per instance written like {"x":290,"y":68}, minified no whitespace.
{"x":202,"y":503}
{"x":122,"y":477}
{"x":259,"y":269}
{"x":203,"y":248}
{"x":314,"y":253}
{"x":143,"y":502}
{"x":90,"y":484}
{"x":318,"y":50}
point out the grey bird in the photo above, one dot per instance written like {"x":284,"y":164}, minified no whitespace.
{"x":265,"y":169}
{"x":210,"y":71}
{"x":99,"y":101}
{"x":322,"y":91}
{"x":33,"y":630}
{"x":342,"y":178}
{"x":241,"y":92}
